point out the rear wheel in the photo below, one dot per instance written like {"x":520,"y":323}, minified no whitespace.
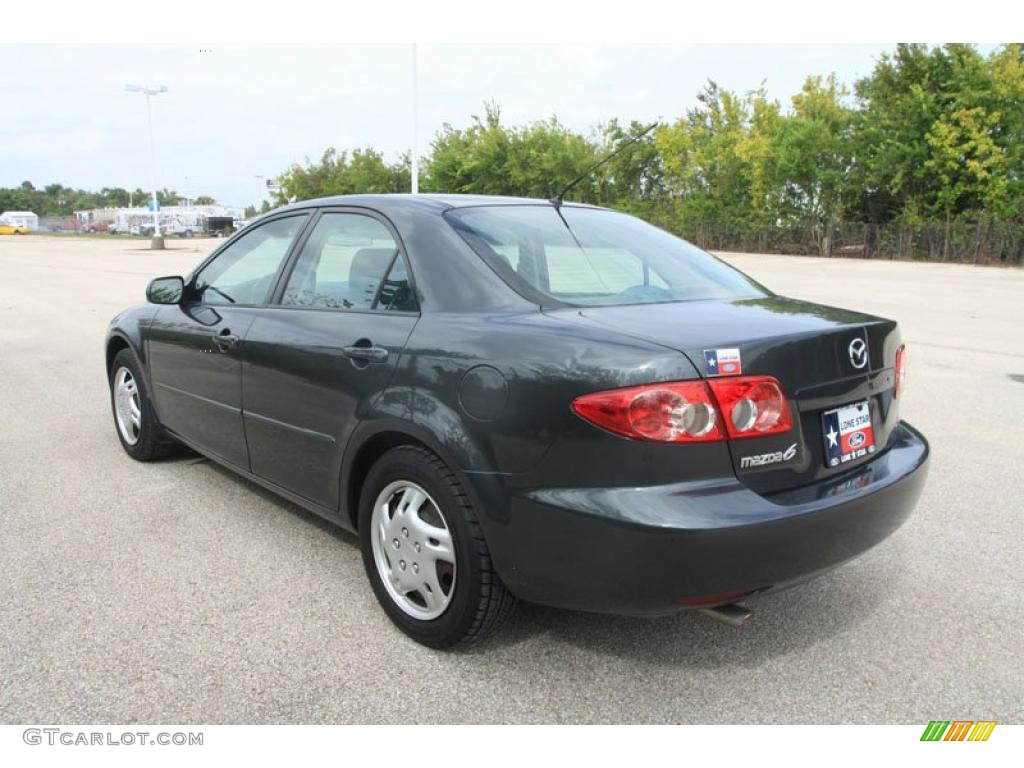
{"x":424,"y":551}
{"x":137,"y":428}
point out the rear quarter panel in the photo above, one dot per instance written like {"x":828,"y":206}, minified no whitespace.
{"x":532,"y":438}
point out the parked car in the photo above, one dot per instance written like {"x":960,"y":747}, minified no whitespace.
{"x":510,"y":398}
{"x":7,"y":228}
{"x":65,"y":224}
{"x":175,"y":227}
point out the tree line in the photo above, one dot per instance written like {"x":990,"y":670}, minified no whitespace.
{"x":923,"y":157}
{"x":56,"y":201}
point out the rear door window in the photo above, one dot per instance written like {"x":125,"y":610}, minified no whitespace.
{"x":350,"y":262}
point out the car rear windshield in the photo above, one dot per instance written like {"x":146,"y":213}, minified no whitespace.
{"x":593,"y":257}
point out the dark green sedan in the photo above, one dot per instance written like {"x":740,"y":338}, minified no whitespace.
{"x":531,"y":399}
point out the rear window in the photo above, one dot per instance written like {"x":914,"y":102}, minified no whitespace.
{"x":594,"y":257}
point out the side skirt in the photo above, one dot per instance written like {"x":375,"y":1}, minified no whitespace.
{"x":311,"y":506}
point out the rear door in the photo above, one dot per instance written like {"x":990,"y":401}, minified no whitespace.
{"x":194,"y":348}
{"x":318,"y":358}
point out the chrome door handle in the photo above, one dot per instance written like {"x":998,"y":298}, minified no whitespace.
{"x":225,"y":341}
{"x":369,"y":354}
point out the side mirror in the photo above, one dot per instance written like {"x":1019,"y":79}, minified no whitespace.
{"x":165,"y":290}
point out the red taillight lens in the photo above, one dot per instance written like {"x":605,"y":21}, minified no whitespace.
{"x":673,"y":412}
{"x":901,"y":370}
{"x":688,"y":412}
{"x":752,"y":406}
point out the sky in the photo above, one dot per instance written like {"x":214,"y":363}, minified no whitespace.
{"x":235,"y":112}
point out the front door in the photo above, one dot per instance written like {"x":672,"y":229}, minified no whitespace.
{"x":319,"y":357}
{"x":194,"y":347}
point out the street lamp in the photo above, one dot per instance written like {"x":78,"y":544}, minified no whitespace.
{"x":415,"y":110}
{"x":158,"y":240}
{"x":259,"y":196}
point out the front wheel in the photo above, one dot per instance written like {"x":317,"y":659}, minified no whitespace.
{"x":140,"y":433}
{"x":424,"y":551}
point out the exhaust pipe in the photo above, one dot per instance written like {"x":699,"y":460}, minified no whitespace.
{"x":733,"y":614}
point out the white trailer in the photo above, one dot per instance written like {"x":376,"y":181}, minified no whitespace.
{"x":25,"y":219}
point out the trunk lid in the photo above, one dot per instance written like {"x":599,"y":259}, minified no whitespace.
{"x":811,"y":349}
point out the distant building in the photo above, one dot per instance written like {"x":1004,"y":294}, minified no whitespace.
{"x":174,"y":219}
{"x":25,"y":219}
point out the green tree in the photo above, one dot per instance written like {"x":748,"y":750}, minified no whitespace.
{"x":718,"y":160}
{"x":914,"y":107}
{"x":812,"y":157}
{"x":1007,"y":66}
{"x":966,"y":163}
{"x":363,"y":171}
{"x":634,"y":179}
{"x":488,"y":158}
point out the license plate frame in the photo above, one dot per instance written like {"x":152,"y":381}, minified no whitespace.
{"x":847,"y":433}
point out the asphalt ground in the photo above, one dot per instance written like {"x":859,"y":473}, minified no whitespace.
{"x":176,"y":592}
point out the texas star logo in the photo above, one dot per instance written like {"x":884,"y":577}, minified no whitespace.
{"x":723,"y":362}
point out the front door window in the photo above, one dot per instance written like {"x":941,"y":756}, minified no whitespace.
{"x":244,"y":272}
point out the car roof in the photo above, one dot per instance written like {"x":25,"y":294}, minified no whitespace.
{"x":439,"y":203}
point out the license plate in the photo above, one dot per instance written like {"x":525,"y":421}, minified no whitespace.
{"x":847,"y":433}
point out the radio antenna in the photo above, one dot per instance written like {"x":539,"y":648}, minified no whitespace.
{"x":557,"y":199}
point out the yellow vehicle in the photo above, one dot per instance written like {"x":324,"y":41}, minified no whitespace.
{"x":6,"y":228}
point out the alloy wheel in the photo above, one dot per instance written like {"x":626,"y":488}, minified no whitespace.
{"x":127,"y":408}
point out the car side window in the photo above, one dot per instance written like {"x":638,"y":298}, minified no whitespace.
{"x":350,"y":261}
{"x":396,"y":293}
{"x":244,"y":271}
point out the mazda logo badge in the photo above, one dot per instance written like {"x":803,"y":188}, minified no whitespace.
{"x":858,"y":353}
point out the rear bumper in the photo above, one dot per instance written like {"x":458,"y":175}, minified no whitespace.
{"x":637,"y":550}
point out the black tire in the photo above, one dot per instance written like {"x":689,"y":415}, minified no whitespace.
{"x":479,"y":602}
{"x":152,"y":442}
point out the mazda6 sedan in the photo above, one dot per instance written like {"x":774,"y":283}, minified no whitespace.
{"x":509,"y":398}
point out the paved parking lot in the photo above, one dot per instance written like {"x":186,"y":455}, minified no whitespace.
{"x":176,"y":592}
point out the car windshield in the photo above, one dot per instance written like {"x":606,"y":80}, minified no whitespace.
{"x":594,"y":257}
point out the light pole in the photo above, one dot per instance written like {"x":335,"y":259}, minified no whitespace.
{"x":259,"y":197}
{"x":415,"y":109}
{"x":158,"y":240}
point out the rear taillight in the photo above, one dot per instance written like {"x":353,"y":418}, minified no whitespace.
{"x":673,"y":412}
{"x":901,"y":370}
{"x":752,"y":406}
{"x":688,"y":412}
